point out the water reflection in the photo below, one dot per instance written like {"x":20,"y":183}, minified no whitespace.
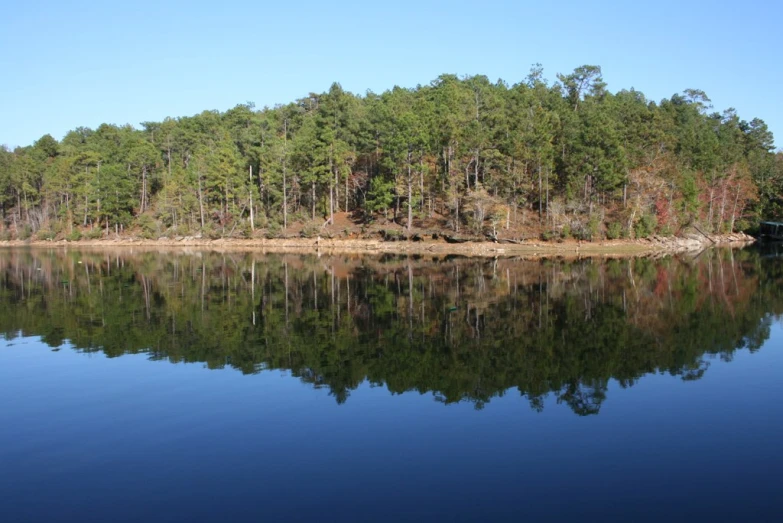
{"x":462,"y":329}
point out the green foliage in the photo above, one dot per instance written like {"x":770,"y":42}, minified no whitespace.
{"x":463,"y":148}
{"x":591,"y":231}
{"x":46,"y":235}
{"x":273,"y":230}
{"x":25,"y":232}
{"x":645,"y":226}
{"x":94,"y":234}
{"x":381,"y":195}
{"x":74,"y":236}
{"x":182,"y":230}
{"x":245,"y":230}
{"x":310,"y":231}
{"x":614,"y":230}
{"x":211,"y":232}
{"x":149,"y":227}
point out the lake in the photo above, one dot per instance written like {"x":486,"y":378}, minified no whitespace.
{"x":138,"y":385}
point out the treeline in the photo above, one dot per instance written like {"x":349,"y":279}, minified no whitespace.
{"x":459,"y":329}
{"x":565,"y":158}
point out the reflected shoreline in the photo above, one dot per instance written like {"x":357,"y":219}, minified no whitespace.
{"x":462,"y":329}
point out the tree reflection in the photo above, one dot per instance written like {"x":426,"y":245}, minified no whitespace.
{"x":461,"y":329}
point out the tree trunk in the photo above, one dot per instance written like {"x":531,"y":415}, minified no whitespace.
{"x":421,"y":182}
{"x":143,"y":205}
{"x":540,"y":194}
{"x":285,"y":194}
{"x":722,"y":206}
{"x":225,"y":209}
{"x":331,"y":202}
{"x":313,"y":200}
{"x":252,"y":218}
{"x":456,"y":215}
{"x":331,"y":185}
{"x":410,"y":193}
{"x":18,"y":211}
{"x":734,"y":210}
{"x":98,"y":206}
{"x":476,"y":169}
{"x":69,"y":212}
{"x":336,"y":190}
{"x":200,"y":201}
{"x":546,"y":204}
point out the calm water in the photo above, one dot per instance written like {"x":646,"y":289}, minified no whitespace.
{"x":140,"y":386}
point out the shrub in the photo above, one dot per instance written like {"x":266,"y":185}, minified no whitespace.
{"x":5,"y":236}
{"x":46,"y":234}
{"x":393,"y":235}
{"x":210,"y":232}
{"x":245,"y":231}
{"x":566,"y":232}
{"x":95,"y":233}
{"x":149,"y":228}
{"x":309,"y":231}
{"x":614,"y":230}
{"x":592,"y":228}
{"x":74,"y":236}
{"x":25,"y":232}
{"x":744,"y":225}
{"x":273,"y":230}
{"x":645,"y":226}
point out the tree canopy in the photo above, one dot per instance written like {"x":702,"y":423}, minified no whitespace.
{"x":465,"y":154}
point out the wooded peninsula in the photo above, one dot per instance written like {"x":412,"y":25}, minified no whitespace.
{"x":461,"y":156}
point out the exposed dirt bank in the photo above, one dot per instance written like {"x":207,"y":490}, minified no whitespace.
{"x":654,"y":245}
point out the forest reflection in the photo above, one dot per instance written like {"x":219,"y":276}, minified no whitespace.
{"x":463,"y":329}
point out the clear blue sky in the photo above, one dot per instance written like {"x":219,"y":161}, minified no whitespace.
{"x":75,"y":63}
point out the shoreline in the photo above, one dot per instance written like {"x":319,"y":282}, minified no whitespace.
{"x":650,"y":246}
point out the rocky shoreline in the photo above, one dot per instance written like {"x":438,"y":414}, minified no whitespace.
{"x":652,"y":245}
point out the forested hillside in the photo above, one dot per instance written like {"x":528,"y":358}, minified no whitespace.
{"x":561,"y":159}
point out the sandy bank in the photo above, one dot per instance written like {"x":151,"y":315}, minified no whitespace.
{"x":304,"y":245}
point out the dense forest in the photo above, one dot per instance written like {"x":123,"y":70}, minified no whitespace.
{"x":557,"y":159}
{"x":461,"y":329}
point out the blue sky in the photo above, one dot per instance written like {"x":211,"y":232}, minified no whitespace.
{"x":76,"y":63}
